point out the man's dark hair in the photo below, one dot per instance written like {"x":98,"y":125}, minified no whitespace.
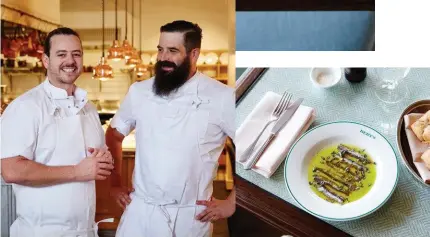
{"x":58,"y":31}
{"x":192,"y":33}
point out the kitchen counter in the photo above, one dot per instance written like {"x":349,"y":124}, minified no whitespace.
{"x":129,"y":142}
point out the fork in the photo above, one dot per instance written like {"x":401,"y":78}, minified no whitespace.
{"x":280,"y":107}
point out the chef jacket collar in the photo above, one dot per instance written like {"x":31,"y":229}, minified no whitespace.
{"x":59,"y":94}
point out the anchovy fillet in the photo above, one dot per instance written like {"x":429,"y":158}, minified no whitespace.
{"x":330,"y":195}
{"x":344,"y":149}
{"x":316,"y":169}
{"x":348,"y":173}
{"x":342,"y":163}
{"x":344,"y":172}
{"x":357,"y":174}
{"x":321,"y":181}
{"x":338,"y":169}
{"x":353,"y":163}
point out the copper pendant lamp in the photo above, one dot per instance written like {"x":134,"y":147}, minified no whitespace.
{"x":103,"y":71}
{"x":134,"y":57}
{"x":140,"y":69}
{"x":127,"y":48}
{"x":115,"y":52}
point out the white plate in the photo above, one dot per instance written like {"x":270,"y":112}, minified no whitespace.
{"x":316,"y":139}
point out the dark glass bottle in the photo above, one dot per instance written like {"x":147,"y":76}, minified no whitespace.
{"x":355,"y":74}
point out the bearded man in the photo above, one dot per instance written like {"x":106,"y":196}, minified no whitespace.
{"x":182,"y":119}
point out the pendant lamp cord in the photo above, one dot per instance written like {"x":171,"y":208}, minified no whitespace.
{"x":140,"y":29}
{"x":116,"y":19}
{"x":132,"y":23}
{"x":103,"y":27}
{"x":126,"y":22}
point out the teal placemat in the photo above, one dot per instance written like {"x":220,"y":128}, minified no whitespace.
{"x":407,"y":213}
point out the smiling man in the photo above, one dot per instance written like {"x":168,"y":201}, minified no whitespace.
{"x":53,"y":148}
{"x":182,"y":119}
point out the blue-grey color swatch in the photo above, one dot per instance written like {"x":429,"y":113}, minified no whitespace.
{"x":305,"y":31}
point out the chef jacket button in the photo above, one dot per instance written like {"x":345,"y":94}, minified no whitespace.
{"x":68,"y":106}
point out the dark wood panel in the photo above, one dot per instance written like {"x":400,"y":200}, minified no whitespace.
{"x":243,"y":223}
{"x":246,"y":83}
{"x":305,"y":5}
{"x":283,"y":216}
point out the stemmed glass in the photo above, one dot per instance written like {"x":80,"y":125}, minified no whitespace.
{"x":391,"y":89}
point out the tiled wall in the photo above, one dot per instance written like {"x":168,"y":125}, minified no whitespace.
{"x":107,"y":90}
{"x":19,"y":83}
{"x":114,"y":89}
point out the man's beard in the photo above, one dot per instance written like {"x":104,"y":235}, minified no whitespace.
{"x":166,"y":82}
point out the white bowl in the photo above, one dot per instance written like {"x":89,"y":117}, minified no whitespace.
{"x":316,"y":139}
{"x":325,"y":77}
{"x":211,"y":59}
{"x":223,"y":58}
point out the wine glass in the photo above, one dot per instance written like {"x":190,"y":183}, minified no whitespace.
{"x":391,"y":89}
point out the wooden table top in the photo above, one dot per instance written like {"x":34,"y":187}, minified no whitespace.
{"x":280,"y":214}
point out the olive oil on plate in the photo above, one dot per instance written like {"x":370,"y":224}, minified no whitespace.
{"x":341,"y":173}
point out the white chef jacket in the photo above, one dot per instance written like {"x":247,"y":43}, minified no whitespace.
{"x":33,"y":128}
{"x":221,"y":120}
{"x":179,"y":139}
{"x":27,"y":123}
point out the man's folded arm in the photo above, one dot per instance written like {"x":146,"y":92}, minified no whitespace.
{"x":20,"y":170}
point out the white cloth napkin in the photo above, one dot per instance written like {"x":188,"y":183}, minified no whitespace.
{"x":277,"y":151}
{"x":417,"y":147}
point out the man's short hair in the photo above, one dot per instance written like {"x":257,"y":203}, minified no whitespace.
{"x":58,"y":31}
{"x":192,"y":33}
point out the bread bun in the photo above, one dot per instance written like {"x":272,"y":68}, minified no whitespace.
{"x":421,"y":128}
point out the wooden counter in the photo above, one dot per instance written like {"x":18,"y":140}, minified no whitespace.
{"x":106,"y":206}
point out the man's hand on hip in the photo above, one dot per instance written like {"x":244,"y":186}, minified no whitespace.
{"x":97,"y":166}
{"x":121,"y":195}
{"x":216,"y":209}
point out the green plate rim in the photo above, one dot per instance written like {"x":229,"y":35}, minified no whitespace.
{"x":341,"y":219}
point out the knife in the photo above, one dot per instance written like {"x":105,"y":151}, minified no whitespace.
{"x":285,"y":117}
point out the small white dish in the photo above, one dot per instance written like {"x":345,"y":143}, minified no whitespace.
{"x":325,"y":77}
{"x":376,"y":145}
